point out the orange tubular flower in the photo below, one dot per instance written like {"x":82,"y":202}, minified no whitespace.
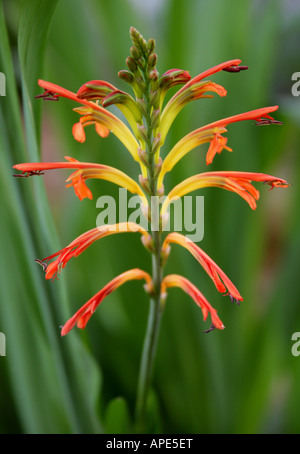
{"x":194,"y":89}
{"x":85,"y":170}
{"x":86,"y":311}
{"x":186,"y":94}
{"x":97,"y":115}
{"x":81,"y":243}
{"x":238,"y":182}
{"x":211,"y":133}
{"x":218,"y":276}
{"x":175,"y":280}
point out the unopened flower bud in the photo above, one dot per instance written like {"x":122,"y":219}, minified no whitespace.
{"x":135,"y":53}
{"x":144,"y":182}
{"x":135,"y":36}
{"x":154,"y":81}
{"x":152,"y":60}
{"x":153,"y":75}
{"x":143,"y":157}
{"x":151,"y":45}
{"x":131,"y":64}
{"x":142,"y":105}
{"x":155,"y":118}
{"x":154,"y":98}
{"x":161,"y":191}
{"x":143,"y":43}
{"x":141,"y":63}
{"x":165,"y":252}
{"x":157,"y":168}
{"x":143,"y":132}
{"x":156,"y":143}
{"x":126,"y":76}
{"x":148,"y":243}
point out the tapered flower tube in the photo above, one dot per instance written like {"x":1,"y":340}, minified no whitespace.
{"x":95,"y":90}
{"x":81,"y":243}
{"x":82,"y":316}
{"x":175,"y":280}
{"x":209,"y":72}
{"x":238,"y":182}
{"x":84,"y":171}
{"x":102,"y":116}
{"x":210,"y":133}
{"x":182,"y":97}
{"x":194,"y":89}
{"x":221,"y":281}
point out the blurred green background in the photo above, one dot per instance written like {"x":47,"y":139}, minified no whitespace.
{"x":242,"y":380}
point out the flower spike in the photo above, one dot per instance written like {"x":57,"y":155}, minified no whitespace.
{"x":175,"y":280}
{"x":82,"y":316}
{"x":149,"y":121}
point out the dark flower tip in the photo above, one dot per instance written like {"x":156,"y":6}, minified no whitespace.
{"x":235,"y":69}
{"x":48,"y":96}
{"x":268,"y":121}
{"x":212,"y":328}
{"x":43,"y":264}
{"x":234,"y":300}
{"x":28,"y":173}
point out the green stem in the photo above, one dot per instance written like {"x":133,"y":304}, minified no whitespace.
{"x":155,"y":311}
{"x":148,"y":355}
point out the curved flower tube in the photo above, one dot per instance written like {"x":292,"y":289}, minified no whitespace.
{"x":103,"y":116}
{"x":213,"y":70}
{"x":239,"y":182}
{"x":182,"y":97}
{"x":210,"y":133}
{"x":95,"y":90}
{"x":81,"y":243}
{"x":127,"y":106}
{"x":82,"y":316}
{"x":218,"y":276}
{"x":193,"y":86}
{"x":175,"y":280}
{"x":169,"y":79}
{"x":85,"y":170}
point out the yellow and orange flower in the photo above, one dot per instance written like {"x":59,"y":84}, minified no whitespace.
{"x":175,"y":280}
{"x":81,"y":243}
{"x":211,"y":133}
{"x":221,"y":281}
{"x":98,"y":115}
{"x":82,"y":316}
{"x":84,"y":171}
{"x":238,"y":182}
